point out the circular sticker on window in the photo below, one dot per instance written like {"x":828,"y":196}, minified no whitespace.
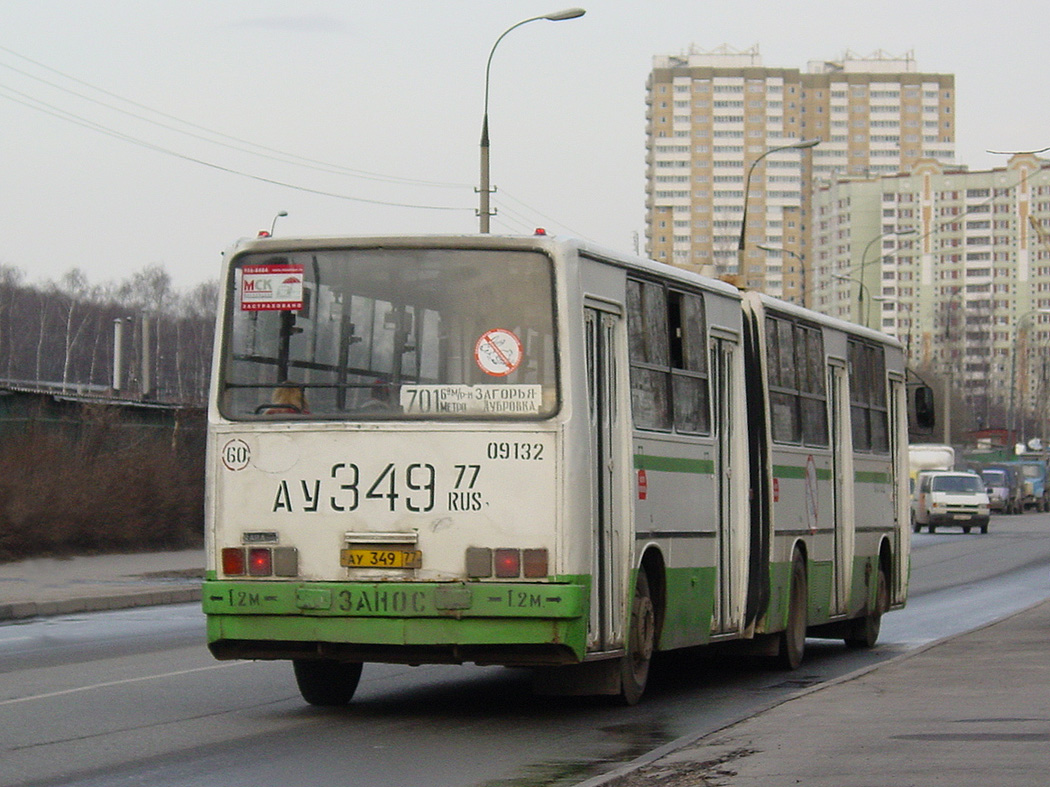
{"x":498,"y":352}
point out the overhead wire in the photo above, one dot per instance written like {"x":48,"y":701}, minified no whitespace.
{"x":48,"y":109}
{"x":285,"y":157}
{"x":550,"y":221}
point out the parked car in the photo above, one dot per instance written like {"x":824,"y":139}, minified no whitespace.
{"x":1005,"y":487}
{"x":999,"y":485}
{"x":950,"y":498}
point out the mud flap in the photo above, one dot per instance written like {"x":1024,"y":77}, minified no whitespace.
{"x":588,"y":678}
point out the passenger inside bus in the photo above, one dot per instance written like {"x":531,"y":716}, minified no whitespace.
{"x":287,"y":398}
{"x":380,"y":397}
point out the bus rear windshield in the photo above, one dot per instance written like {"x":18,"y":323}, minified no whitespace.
{"x":361,"y":334}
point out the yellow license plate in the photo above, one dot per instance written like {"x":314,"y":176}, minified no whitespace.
{"x":381,"y":557}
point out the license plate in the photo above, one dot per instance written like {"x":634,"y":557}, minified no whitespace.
{"x":381,"y":557}
{"x":962,"y":516}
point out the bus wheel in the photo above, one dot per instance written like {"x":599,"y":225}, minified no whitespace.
{"x":793,"y":637}
{"x":864,"y":632}
{"x":327,"y":683}
{"x":641,"y":639}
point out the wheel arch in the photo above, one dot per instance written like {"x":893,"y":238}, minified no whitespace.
{"x":885,"y":562}
{"x":655,"y":568}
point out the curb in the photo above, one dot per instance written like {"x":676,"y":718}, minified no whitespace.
{"x":21,"y":610}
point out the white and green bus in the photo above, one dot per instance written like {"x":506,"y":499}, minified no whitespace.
{"x":536,"y":452}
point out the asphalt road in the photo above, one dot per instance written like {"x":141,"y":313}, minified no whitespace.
{"x":133,"y":698}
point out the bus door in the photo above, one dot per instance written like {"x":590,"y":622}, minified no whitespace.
{"x":608,"y":560}
{"x":898,"y":417}
{"x":726,"y":613}
{"x":841,"y":484}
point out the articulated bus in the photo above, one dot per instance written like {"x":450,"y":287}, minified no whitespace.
{"x":535,"y":452}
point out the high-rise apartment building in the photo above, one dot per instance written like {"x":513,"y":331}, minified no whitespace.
{"x":713,"y":117}
{"x":954,"y":263}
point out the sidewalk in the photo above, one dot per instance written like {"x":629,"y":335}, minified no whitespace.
{"x":48,"y":586}
{"x":970,"y":710}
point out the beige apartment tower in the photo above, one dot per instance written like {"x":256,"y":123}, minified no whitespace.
{"x":712,"y":115}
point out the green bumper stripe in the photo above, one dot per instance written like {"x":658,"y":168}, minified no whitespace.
{"x":396,"y":599}
{"x":401,"y":632}
{"x":669,"y":464}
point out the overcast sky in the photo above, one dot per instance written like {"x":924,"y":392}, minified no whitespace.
{"x":381,"y":102}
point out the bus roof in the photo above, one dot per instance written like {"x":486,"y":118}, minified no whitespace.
{"x":475,"y":241}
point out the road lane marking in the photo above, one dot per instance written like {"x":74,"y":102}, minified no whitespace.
{"x":78,"y":689}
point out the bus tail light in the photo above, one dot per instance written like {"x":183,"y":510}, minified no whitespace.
{"x":233,"y":563}
{"x":483,"y":563}
{"x":508,"y":563}
{"x":534,"y":563}
{"x":260,"y":561}
{"x":285,"y":562}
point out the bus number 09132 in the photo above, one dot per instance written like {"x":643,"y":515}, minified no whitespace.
{"x":522,"y":451}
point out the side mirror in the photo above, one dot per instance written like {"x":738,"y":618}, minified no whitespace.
{"x":925,"y":407}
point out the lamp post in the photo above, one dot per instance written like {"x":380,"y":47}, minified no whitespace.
{"x":273,"y":224}
{"x":949,"y":371}
{"x":863,"y":289}
{"x":800,"y":145}
{"x":484,"y":190}
{"x":1013,"y":367}
{"x":862,"y":317}
{"x":801,"y":266}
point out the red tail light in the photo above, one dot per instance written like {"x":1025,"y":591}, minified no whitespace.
{"x":233,"y":564}
{"x":260,"y":562}
{"x":508,"y":563}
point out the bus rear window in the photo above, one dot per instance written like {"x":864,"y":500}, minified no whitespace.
{"x":360,"y":334}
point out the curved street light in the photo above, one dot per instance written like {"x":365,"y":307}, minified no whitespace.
{"x":273,"y":224}
{"x":801,"y":265}
{"x":484,"y":190}
{"x":864,"y":262}
{"x":863,"y":287}
{"x":800,"y":145}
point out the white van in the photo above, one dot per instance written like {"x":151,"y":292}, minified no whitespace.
{"x":949,"y":498}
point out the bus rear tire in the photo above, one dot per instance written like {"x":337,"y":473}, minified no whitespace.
{"x":864,"y":632}
{"x":792,"y":640}
{"x":641,"y":640}
{"x":326,"y":683}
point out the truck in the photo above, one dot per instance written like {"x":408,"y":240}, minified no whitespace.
{"x":929,"y":456}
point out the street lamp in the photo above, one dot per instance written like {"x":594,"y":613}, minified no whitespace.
{"x":273,"y":224}
{"x":800,"y":145}
{"x":1013,"y":366}
{"x":801,"y":266}
{"x":484,"y":190}
{"x":863,"y":289}
{"x":864,"y":262}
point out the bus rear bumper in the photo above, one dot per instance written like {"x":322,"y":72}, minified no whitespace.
{"x":410,"y":623}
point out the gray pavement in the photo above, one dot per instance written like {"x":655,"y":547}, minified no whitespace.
{"x":50,"y":586}
{"x":973,"y":709}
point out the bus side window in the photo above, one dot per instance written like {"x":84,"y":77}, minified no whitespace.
{"x":649,"y":355}
{"x":689,"y":378}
